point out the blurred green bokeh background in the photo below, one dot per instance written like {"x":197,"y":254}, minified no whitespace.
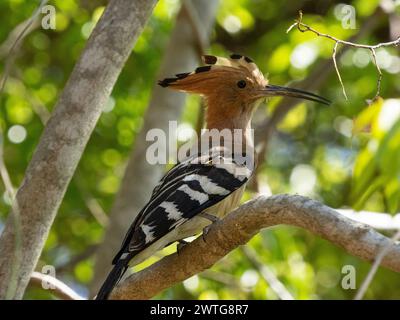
{"x":347,"y":155}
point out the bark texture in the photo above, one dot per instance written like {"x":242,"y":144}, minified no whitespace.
{"x":57,"y":288}
{"x":181,"y":55}
{"x":242,"y":224}
{"x":63,"y":141}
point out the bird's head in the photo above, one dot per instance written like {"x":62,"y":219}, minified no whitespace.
{"x":232,"y":86}
{"x":236,"y":78}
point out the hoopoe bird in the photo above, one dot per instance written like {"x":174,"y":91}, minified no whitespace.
{"x":207,"y":185}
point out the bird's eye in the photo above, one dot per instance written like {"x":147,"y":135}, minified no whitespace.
{"x":241,"y":84}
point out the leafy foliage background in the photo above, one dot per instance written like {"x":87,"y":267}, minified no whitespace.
{"x":345,"y":156}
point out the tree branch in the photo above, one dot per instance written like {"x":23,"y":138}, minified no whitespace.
{"x":64,"y":139}
{"x":223,"y":278}
{"x":302,"y":27}
{"x":56,"y":287}
{"x":26,"y":27}
{"x":267,"y":274}
{"x":241,"y":225}
{"x":314,"y":81}
{"x":378,"y":260}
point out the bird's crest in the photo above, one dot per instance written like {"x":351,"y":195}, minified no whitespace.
{"x":234,"y":79}
{"x":215,"y":67}
{"x":235,"y":61}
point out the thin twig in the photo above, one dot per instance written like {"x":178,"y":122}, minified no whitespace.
{"x":27,"y":24}
{"x":11,"y":55}
{"x":378,"y":260}
{"x":314,"y":81}
{"x":277,"y":286}
{"x":37,"y":106}
{"x":5,"y":176}
{"x":223,"y":278}
{"x":337,"y":69}
{"x":71,"y":264}
{"x":302,"y":27}
{"x":55,"y":286}
{"x":91,"y":203}
{"x":10,"y":191}
{"x":378,"y":85}
{"x":13,"y":34}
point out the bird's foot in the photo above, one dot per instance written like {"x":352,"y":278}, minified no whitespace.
{"x":205,"y":232}
{"x":181,"y":244}
{"x":211,"y":218}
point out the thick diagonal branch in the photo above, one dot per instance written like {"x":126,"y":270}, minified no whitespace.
{"x":241,"y":225}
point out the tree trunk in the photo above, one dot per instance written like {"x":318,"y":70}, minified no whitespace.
{"x":64,"y":139}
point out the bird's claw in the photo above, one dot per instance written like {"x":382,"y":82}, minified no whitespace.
{"x":181,"y":244}
{"x":205,"y":232}
{"x":210,"y":218}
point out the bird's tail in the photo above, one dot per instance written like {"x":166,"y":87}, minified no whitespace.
{"x":112,"y":279}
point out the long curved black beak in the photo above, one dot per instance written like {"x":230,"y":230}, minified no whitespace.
{"x":272,"y":90}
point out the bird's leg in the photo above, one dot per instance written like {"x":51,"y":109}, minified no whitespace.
{"x":181,"y":244}
{"x":211,"y":218}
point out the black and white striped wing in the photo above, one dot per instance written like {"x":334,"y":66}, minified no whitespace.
{"x":185,"y":191}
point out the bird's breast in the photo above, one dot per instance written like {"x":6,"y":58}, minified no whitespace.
{"x":222,"y":208}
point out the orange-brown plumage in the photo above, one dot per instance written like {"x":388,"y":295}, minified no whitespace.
{"x":231,"y":87}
